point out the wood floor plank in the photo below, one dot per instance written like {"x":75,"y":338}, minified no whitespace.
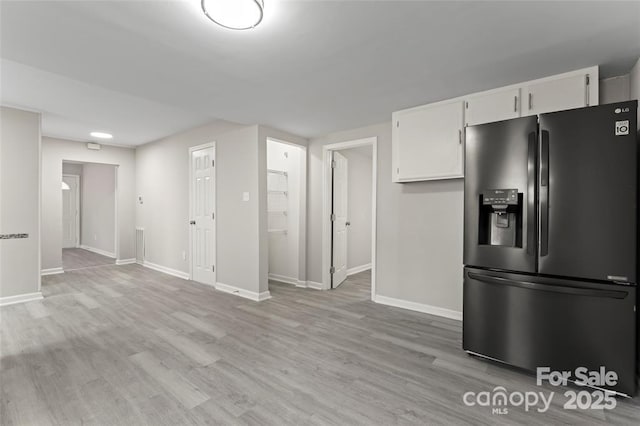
{"x":185,"y":392}
{"x":126,"y":345}
{"x":77,"y":258}
{"x":191,"y":349}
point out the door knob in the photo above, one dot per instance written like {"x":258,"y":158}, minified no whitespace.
{"x":348,"y":223}
{"x":193,"y":222}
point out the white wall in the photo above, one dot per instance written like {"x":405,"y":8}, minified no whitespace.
{"x":284,"y":247}
{"x":98,"y":207}
{"x":614,"y":89}
{"x":72,"y":169}
{"x":54,"y":152}
{"x":162,"y":180}
{"x":264,"y":134}
{"x":419,"y":228}
{"x":359,"y":206}
{"x":19,"y":202}
{"x":634,"y":85}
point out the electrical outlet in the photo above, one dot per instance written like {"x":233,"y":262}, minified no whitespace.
{"x":184,"y":255}
{"x":95,"y":237}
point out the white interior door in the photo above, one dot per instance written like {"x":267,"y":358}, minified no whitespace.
{"x":339,"y":219}
{"x":70,"y":211}
{"x":203,"y":196}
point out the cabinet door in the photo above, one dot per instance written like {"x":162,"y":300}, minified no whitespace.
{"x":557,"y":95}
{"x":427,"y":142}
{"x":494,"y":106}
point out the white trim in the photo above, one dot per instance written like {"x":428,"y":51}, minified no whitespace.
{"x":52,"y":271}
{"x":166,"y":270}
{"x":39,"y":236}
{"x":125,"y":261}
{"x":257,"y":297}
{"x":326,"y":206}
{"x":315,"y":285}
{"x":419,"y":307}
{"x":116,"y":226}
{"x":358,"y":269}
{"x":76,"y":243}
{"x":98,"y":251}
{"x":302,"y":220}
{"x":21,"y":298}
{"x":192,"y":149}
{"x":85,"y":141}
{"x":283,"y":279}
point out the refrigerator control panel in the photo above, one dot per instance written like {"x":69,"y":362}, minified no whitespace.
{"x":500,"y":196}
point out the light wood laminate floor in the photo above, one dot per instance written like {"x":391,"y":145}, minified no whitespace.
{"x":125,"y":345}
{"x":77,"y":258}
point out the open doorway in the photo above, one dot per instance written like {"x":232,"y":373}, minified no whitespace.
{"x":89,"y":220}
{"x":286,"y":212}
{"x":349,"y":216}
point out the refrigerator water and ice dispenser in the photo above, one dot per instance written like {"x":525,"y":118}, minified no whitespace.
{"x":500,"y":218}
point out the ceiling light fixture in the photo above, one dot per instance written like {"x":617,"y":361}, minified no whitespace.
{"x":102,"y":135}
{"x":234,"y":14}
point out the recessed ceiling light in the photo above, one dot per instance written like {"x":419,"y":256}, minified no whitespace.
{"x":102,"y":135}
{"x":234,"y":14}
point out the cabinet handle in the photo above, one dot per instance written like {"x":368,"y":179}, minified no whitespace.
{"x":515,"y":104}
{"x":460,"y":136}
{"x":530,"y":100}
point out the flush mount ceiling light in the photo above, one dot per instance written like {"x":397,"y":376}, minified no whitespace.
{"x":234,"y":14}
{"x":102,"y":135}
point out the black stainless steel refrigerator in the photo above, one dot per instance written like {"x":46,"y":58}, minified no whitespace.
{"x":550,"y":241}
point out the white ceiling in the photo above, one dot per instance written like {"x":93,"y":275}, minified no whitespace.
{"x":146,"y":69}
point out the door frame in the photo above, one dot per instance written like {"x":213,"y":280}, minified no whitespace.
{"x":302,"y":220}
{"x":192,"y":149}
{"x":326,"y":205}
{"x":77,"y":178}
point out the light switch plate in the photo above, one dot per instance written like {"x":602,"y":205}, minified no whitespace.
{"x":245,"y":196}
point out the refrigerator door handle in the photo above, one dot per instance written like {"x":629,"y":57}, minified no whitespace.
{"x":531,"y":193}
{"x":544,"y":193}
{"x":576,"y":291}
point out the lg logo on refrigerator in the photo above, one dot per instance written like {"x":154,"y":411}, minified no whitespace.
{"x":622,"y":127}
{"x":619,"y":110}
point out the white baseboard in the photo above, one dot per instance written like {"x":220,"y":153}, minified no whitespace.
{"x":21,"y":298}
{"x":98,"y":251}
{"x":125,"y":261}
{"x":283,"y":279}
{"x":315,"y":285}
{"x":288,"y":280}
{"x":358,"y":269}
{"x":419,"y":307}
{"x":257,"y":297}
{"x":52,"y":271}
{"x":164,"y":269}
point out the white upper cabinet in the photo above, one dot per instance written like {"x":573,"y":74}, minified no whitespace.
{"x":496,"y":105}
{"x":568,"y":91}
{"x":431,"y":142}
{"x":428,"y":141}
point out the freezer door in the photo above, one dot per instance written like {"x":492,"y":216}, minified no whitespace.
{"x":501,"y":156}
{"x":531,"y":322}
{"x":588,"y":193}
